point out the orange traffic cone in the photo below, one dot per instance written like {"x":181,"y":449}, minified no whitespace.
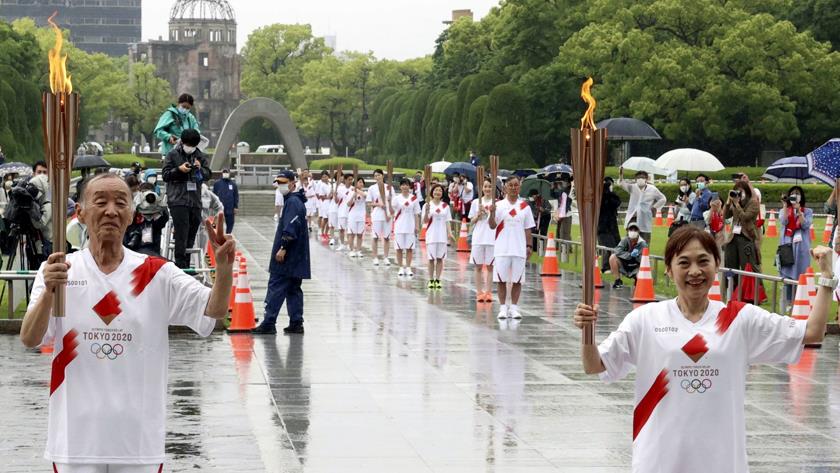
{"x":801,"y":306}
{"x":670,"y":217}
{"x":829,"y":229}
{"x":463,"y":246}
{"x":813,"y":234}
{"x":243,"y":309}
{"x":644,"y":281}
{"x":714,"y":292}
{"x":599,"y":280}
{"x":48,"y":347}
{"x":772,"y":228}
{"x":549,"y":267}
{"x":233,"y":287}
{"x":811,"y":281}
{"x":658,"y":222}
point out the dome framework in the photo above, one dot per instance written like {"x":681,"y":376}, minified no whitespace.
{"x":202,"y":10}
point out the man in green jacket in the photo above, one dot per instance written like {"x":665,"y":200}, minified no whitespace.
{"x":174,"y":121}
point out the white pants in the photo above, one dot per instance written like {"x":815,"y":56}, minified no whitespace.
{"x":342,"y":223}
{"x":405,"y":241}
{"x":311,"y":211}
{"x":381,"y":229}
{"x":333,"y":219}
{"x":481,"y":255}
{"x":356,"y":227}
{"x":509,"y":269}
{"x":436,"y":250}
{"x":105,"y":468}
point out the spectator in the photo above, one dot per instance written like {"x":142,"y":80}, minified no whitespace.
{"x":40,"y":167}
{"x":44,"y":225}
{"x":701,"y":202}
{"x":742,"y":207}
{"x":563,"y":215}
{"x":627,"y":257}
{"x":759,"y":219}
{"x":150,"y":179}
{"x":184,"y":171}
{"x":644,"y":200}
{"x":608,"y":222}
{"x":172,"y":123}
{"x":133,"y":185}
{"x":715,"y":221}
{"x":466,"y":196}
{"x":541,"y":209}
{"x":474,"y":160}
{"x":228,"y":192}
{"x":795,"y":220}
{"x":144,"y":234}
{"x":211,"y":205}
{"x":420,"y":188}
{"x":685,"y":200}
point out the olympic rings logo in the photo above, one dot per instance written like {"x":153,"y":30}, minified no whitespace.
{"x":106,"y":350}
{"x":696,"y":385}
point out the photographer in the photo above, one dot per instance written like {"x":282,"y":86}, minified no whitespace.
{"x":174,"y":121}
{"x":27,"y":217}
{"x":793,"y":255}
{"x":740,"y":250}
{"x":186,"y":167}
{"x":685,"y":200}
{"x":150,"y":217}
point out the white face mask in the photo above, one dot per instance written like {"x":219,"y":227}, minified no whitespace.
{"x":189,"y":149}
{"x":152,"y":180}
{"x":684,"y":188}
{"x":183,"y":110}
{"x":225,"y":175}
{"x":633,"y":234}
{"x":284,"y":188}
{"x":641,"y":182}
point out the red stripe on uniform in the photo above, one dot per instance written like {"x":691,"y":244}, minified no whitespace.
{"x":523,"y":205}
{"x":60,"y":362}
{"x":727,"y":315}
{"x":143,"y":274}
{"x":499,"y":229}
{"x":160,"y":468}
{"x":648,"y":403}
{"x":55,"y":468}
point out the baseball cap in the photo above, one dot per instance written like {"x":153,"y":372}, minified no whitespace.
{"x":290,"y":175}
{"x":632,"y":225}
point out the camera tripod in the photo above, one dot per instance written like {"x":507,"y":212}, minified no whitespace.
{"x":23,"y":246}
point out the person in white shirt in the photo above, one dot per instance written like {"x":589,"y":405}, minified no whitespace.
{"x":512,"y":220}
{"x":332,"y":206}
{"x":436,"y":217}
{"x":692,"y":356}
{"x":467,"y":192}
{"x":107,"y":403}
{"x":380,"y":218}
{"x":311,"y":204}
{"x":406,"y":209}
{"x":342,"y":197}
{"x":483,"y":241}
{"x":322,"y":192}
{"x":356,"y":217}
{"x":645,"y":199}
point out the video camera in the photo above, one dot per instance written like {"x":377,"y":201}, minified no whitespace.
{"x":23,"y":209}
{"x":149,"y":203}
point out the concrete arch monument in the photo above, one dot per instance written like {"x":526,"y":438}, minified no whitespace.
{"x":267,"y":109}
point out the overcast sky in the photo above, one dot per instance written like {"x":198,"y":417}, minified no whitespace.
{"x":392,"y":29}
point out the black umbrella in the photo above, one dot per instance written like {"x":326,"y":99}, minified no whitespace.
{"x":88,"y":161}
{"x":464,"y":169}
{"x":16,"y":168}
{"x":628,"y":129}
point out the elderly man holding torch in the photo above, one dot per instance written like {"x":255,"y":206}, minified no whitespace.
{"x":107,"y":406}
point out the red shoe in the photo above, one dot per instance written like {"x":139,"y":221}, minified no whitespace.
{"x":488,"y":297}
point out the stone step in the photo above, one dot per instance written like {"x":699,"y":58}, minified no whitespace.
{"x":256,"y":203}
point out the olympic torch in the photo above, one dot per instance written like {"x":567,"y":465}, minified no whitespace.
{"x":589,"y":149}
{"x":60,"y":120}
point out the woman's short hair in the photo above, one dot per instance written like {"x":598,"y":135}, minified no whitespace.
{"x":802,"y":201}
{"x":744,"y":186}
{"x":432,"y":190}
{"x":685,"y":235}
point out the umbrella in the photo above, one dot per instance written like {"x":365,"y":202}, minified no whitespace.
{"x":824,"y":162}
{"x":641,"y":163}
{"x":15,"y":168}
{"x":88,"y":161}
{"x":793,"y":170}
{"x":440,"y":166}
{"x":505,"y":173}
{"x":557,"y":168}
{"x":541,"y":185}
{"x":628,"y":129}
{"x":523,"y":173}
{"x":464,"y":169}
{"x":689,"y":159}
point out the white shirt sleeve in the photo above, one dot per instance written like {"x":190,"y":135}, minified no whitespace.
{"x":474,"y":208}
{"x":529,"y":219}
{"x":38,"y":289}
{"x":278,"y":198}
{"x":187,"y":300}
{"x":618,"y":351}
{"x":772,"y":338}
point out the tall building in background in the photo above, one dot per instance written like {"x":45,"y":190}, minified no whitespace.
{"x":331,"y":41}
{"x":200,"y":59}
{"x":103,"y":26}
{"x":458,"y":14}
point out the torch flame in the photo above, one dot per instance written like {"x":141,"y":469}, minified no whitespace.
{"x":588,"y":120}
{"x":59,"y":79}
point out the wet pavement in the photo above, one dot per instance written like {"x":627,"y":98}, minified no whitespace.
{"x":390,"y":377}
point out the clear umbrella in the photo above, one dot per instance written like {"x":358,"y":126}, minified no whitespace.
{"x":689,"y":159}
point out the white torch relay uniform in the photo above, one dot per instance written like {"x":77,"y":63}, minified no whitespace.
{"x":483,"y":237}
{"x":381,"y":227}
{"x":311,"y":204}
{"x":406,"y":210}
{"x":109,"y":371}
{"x":509,"y":250}
{"x":690,"y":380}
{"x":356,"y":213}
{"x":322,"y":190}
{"x":343,"y":210}
{"x":437,"y":229}
{"x":332,"y":205}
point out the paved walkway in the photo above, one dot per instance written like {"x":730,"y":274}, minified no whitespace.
{"x":392,"y":378}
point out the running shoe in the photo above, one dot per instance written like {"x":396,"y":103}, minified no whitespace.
{"x":409,"y":272}
{"x":514,"y":312}
{"x":618,"y":284}
{"x":401,"y":272}
{"x":438,"y":285}
{"x":376,"y":261}
{"x":503,"y":313}
{"x":332,"y":241}
{"x":386,"y":262}
{"x":488,"y":297}
{"x":431,"y":284}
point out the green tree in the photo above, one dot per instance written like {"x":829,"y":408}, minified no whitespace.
{"x":461,"y":50}
{"x":504,"y":130}
{"x":482,"y":84}
{"x":820,"y":17}
{"x":143,"y":100}
{"x":444,"y":123}
{"x":474,"y":119}
{"x":455,"y":152}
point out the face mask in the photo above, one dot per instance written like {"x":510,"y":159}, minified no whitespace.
{"x":633,"y":234}
{"x":152,"y":180}
{"x":743,"y":195}
{"x":641,"y":182}
{"x":183,"y":110}
{"x":701,"y":185}
{"x":684,"y":188}
{"x":611,"y":187}
{"x":189,"y":149}
{"x":275,"y":184}
{"x":284,"y":188}
{"x":225,"y":175}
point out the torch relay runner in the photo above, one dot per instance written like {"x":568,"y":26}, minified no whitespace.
{"x":107,"y":404}
{"x":692,"y":356}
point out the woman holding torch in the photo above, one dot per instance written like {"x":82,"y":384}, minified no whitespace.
{"x":436,"y":217}
{"x":483,"y":240}
{"x":692,"y":356}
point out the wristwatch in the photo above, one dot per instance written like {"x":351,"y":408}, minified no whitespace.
{"x":830,"y":283}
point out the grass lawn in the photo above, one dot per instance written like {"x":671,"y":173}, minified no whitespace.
{"x":664,"y":287}
{"x":21,"y":309}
